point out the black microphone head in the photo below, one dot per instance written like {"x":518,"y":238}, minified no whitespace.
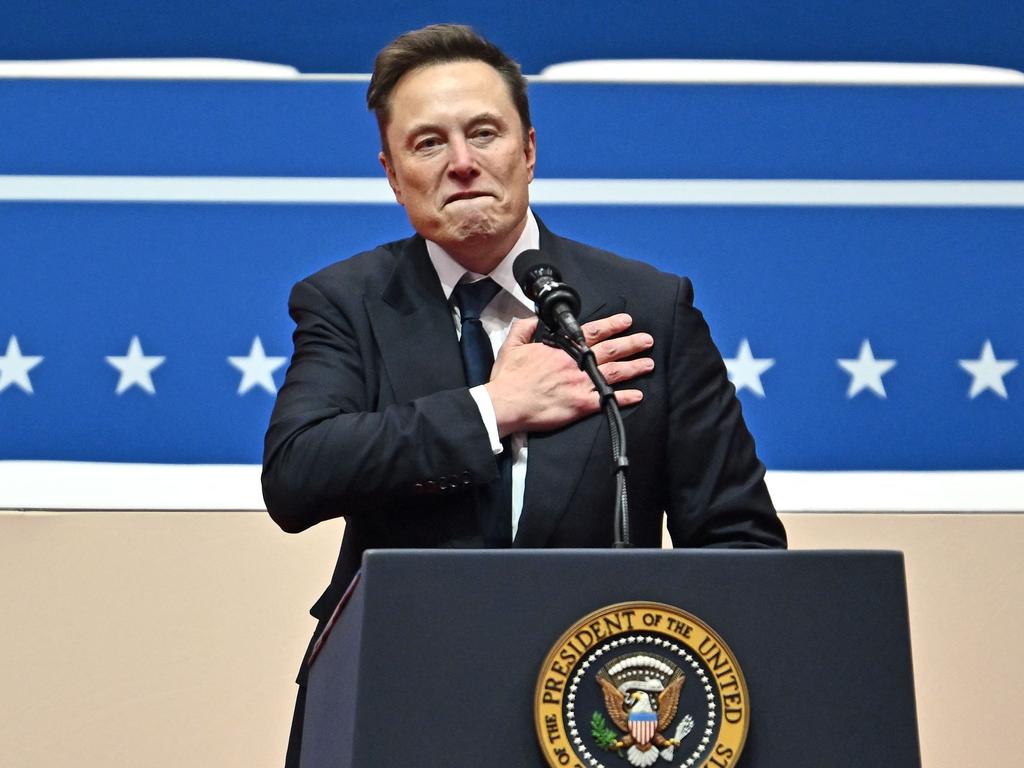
{"x":542,"y":283}
{"x":531,"y":265}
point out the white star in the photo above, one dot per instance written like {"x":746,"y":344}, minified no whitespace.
{"x":866,"y":372}
{"x":135,"y":368}
{"x":257,"y":368}
{"x":988,"y":372}
{"x":745,"y":370}
{"x":14,"y":367}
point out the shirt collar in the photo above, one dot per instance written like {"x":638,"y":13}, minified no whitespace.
{"x":450,"y":272}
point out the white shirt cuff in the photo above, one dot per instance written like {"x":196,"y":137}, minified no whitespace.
{"x":486,"y":408}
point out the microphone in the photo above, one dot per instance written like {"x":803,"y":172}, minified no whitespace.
{"x":557,"y":303}
{"x":557,"y":306}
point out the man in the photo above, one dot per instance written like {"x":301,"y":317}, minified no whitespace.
{"x":379,"y":419}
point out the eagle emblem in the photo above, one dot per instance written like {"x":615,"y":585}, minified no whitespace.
{"x":612,"y":692}
{"x":641,"y":695}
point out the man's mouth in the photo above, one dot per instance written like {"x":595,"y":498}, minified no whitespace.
{"x":465,"y":196}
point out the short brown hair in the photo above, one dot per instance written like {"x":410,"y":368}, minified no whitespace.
{"x":440,"y":44}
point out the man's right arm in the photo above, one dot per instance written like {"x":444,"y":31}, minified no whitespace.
{"x":335,"y":448}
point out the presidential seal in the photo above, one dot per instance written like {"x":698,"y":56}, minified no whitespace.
{"x":641,"y":684}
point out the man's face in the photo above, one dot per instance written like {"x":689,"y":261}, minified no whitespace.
{"x":459,"y":162}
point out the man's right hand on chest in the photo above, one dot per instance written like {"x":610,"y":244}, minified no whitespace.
{"x":534,"y":387}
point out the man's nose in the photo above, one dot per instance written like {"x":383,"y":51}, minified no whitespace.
{"x":461,"y":159}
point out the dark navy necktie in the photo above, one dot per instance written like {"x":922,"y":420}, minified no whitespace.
{"x":477,"y":357}
{"x":494,"y":499}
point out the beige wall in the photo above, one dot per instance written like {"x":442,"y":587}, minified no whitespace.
{"x":170,"y":639}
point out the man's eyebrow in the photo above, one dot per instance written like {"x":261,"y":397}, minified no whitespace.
{"x":486,"y":117}
{"x":418,"y":128}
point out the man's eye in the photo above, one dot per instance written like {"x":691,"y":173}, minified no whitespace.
{"x":427,"y":144}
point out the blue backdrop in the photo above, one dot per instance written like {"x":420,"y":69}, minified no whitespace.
{"x":804,"y":285}
{"x":344,"y":36}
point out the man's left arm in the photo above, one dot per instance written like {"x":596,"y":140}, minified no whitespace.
{"x":716,"y":492}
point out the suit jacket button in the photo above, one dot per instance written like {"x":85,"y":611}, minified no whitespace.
{"x":466,"y":478}
{"x":430,"y":485}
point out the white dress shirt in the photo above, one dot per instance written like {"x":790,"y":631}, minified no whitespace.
{"x":509,"y":303}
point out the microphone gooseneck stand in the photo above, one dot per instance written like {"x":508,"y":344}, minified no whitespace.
{"x":585,"y":359}
{"x":557,"y":306}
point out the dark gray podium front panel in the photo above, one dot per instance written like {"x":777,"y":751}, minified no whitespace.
{"x":434,"y":660}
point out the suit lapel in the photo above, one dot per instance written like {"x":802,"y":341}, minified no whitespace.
{"x":557,"y":460}
{"x":412,"y":324}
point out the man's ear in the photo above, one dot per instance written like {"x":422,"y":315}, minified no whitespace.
{"x":392,"y":178}
{"x":531,"y":151}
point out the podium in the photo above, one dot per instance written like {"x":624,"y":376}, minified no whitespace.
{"x":434,"y":656}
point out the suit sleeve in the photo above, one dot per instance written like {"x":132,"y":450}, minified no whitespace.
{"x":717,"y":494}
{"x":331,"y":450}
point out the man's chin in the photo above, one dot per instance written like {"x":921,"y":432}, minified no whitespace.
{"x":474,"y":243}
{"x":474,"y":232}
{"x":475,"y":226}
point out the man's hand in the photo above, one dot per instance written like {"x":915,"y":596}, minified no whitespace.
{"x":535,"y":387}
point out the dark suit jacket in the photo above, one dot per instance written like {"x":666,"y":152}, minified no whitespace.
{"x":374,"y":421}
